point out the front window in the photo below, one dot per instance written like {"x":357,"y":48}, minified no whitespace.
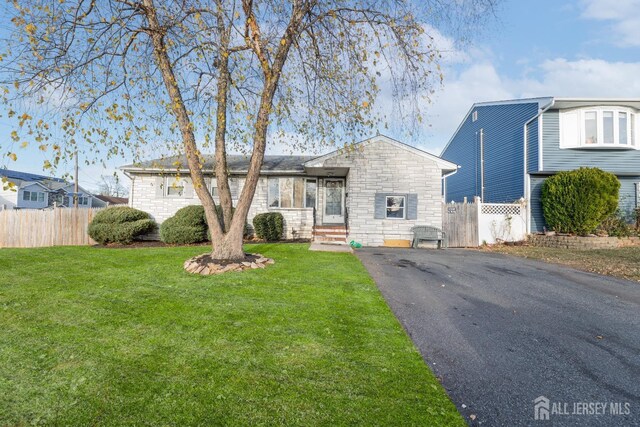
{"x":175,"y":188}
{"x":33,"y":196}
{"x":395,"y":207}
{"x":310,"y":193}
{"x":590,"y":127}
{"x":290,"y":192}
{"x":598,"y":127}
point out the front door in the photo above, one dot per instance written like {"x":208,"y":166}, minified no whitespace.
{"x":333,"y":201}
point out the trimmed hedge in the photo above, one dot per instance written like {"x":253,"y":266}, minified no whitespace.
{"x":269,"y":226}
{"x":189,"y":225}
{"x":120,"y":224}
{"x":579,"y":201}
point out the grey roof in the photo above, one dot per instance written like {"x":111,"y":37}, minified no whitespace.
{"x":237,"y":163}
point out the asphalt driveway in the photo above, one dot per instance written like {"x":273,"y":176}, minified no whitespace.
{"x":501,"y":331}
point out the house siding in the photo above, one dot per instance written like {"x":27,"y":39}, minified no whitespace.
{"x":8,"y":197}
{"x":380,"y":167}
{"x":559,"y":159}
{"x":144,"y":195}
{"x":503,"y":127}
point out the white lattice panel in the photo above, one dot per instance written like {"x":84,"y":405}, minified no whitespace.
{"x":500,"y":209}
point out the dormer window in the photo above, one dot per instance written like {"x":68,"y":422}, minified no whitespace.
{"x":598,"y":127}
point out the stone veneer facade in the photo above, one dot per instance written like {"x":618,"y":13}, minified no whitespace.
{"x":582,"y":243}
{"x":145,"y":195}
{"x":380,"y":167}
{"x":373,"y":167}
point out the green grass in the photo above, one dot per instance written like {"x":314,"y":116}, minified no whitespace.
{"x":623,"y":262}
{"x":93,"y":336}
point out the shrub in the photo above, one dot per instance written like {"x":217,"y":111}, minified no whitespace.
{"x":189,"y":225}
{"x":616,"y":226}
{"x":120,"y":224}
{"x":579,"y":201}
{"x":269,"y":226}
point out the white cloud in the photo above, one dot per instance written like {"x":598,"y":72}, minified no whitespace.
{"x":481,"y":81}
{"x":623,"y":16}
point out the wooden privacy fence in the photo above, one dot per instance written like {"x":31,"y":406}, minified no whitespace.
{"x":460,"y":223}
{"x":29,"y":228}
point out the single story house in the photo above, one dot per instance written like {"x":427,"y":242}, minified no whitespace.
{"x":33,"y":191}
{"x":506,"y":149}
{"x":372,"y":192}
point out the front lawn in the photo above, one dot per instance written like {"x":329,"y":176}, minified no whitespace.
{"x":93,"y":336}
{"x":623,"y":262}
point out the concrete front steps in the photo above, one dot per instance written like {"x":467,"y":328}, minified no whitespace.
{"x":335,"y":234}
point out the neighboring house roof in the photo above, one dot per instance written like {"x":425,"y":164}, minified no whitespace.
{"x":25,"y":176}
{"x":236,"y":163}
{"x":290,"y":164}
{"x":48,"y":183}
{"x":112,"y":200}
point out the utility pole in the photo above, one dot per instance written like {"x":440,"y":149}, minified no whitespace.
{"x":76,"y":186}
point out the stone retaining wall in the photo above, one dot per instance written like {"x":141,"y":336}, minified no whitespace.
{"x":582,"y":243}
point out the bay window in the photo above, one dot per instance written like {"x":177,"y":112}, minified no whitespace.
{"x":598,"y":127}
{"x":290,"y":192}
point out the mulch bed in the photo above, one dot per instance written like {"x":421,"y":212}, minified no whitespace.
{"x":159,"y":244}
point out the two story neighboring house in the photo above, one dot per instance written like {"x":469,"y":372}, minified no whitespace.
{"x":506,"y":149}
{"x":21,"y":190}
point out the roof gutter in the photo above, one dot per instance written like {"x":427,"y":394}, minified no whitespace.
{"x":527,"y":189}
{"x":444,"y":181}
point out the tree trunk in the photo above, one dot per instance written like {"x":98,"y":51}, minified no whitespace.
{"x":230,"y":248}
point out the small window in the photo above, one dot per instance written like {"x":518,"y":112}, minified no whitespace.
{"x":395,"y":207}
{"x":41,"y":197}
{"x":607,"y":127}
{"x":623,"y":128}
{"x":474,"y":116}
{"x":26,"y":196}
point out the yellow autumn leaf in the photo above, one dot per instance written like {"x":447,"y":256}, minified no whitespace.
{"x":365,"y":104}
{"x":30,"y":28}
{"x":24,"y":144}
{"x":12,"y":156}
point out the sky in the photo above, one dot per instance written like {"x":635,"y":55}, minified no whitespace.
{"x":573,"y":48}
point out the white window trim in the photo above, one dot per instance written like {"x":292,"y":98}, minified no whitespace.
{"x":37,"y":193}
{"x":172,"y":182}
{"x":304,"y":192}
{"x":404,"y":207}
{"x":578,"y":140}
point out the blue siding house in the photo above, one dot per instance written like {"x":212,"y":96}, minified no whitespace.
{"x":506,"y":149}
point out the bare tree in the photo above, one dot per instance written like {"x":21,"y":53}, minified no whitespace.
{"x":110,"y":185}
{"x":116,"y":76}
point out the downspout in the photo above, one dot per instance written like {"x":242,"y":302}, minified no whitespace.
{"x":444,"y":182}
{"x":131,"y":188}
{"x":482,"y":165}
{"x":527,"y":184}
